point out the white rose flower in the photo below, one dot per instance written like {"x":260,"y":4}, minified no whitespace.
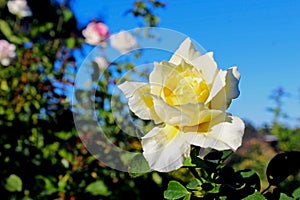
{"x":19,"y":8}
{"x":123,"y":41}
{"x":7,"y":52}
{"x":189,"y":96}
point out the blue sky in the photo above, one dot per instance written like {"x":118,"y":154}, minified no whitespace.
{"x":261,"y":37}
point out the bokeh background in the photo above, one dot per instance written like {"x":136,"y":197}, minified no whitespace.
{"x":41,"y":151}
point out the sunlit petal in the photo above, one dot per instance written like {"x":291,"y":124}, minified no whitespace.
{"x":160,"y":73}
{"x":219,"y":135}
{"x":217,"y":85}
{"x":232,"y":81}
{"x":183,"y":115}
{"x":207,"y":65}
{"x":139,"y":100}
{"x":231,"y":91}
{"x":186,"y":51}
{"x":165,"y":149}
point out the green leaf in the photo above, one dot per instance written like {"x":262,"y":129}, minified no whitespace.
{"x":193,"y":184}
{"x":188,"y":162}
{"x":36,"y":104}
{"x":138,"y":166}
{"x":71,"y":42}
{"x":296,"y":193}
{"x":251,"y":178}
{"x":67,"y":15}
{"x":285,"y":197}
{"x":49,"y":187}
{"x":97,"y":188}
{"x":5,"y":29}
{"x":64,"y":135}
{"x":156,"y":178}
{"x":16,"y":39}
{"x":4,"y":85}
{"x":187,"y":197}
{"x":247,"y":173}
{"x":13,"y":183}
{"x":281,"y":166}
{"x":175,"y":191}
{"x":255,"y":196}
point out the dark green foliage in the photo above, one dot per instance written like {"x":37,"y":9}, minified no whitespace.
{"x":214,"y":180}
{"x":145,"y":10}
{"x":283,"y":165}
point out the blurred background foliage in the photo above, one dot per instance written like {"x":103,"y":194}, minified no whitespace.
{"x":41,"y":154}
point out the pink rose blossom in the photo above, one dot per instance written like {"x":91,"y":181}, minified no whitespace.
{"x":7,"y":52}
{"x":95,"y":33}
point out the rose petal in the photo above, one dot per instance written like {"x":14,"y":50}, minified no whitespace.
{"x":231,"y":91}
{"x":165,"y":149}
{"x":220,"y":135}
{"x":219,"y":102}
{"x":217,"y":85}
{"x":160,"y":73}
{"x":183,"y":115}
{"x":139,"y":101}
{"x":232,"y":82}
{"x":207,"y":65}
{"x":186,"y":51}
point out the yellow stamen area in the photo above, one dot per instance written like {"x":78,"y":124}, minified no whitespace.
{"x":187,"y":88}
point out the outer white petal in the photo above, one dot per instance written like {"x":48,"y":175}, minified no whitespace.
{"x":217,"y":85}
{"x":139,"y":100}
{"x":165,"y":149}
{"x":186,"y":51}
{"x":220,"y":136}
{"x":231,"y":91}
{"x":207,"y":65}
{"x":232,"y":82}
{"x":183,"y":115}
{"x":219,"y":102}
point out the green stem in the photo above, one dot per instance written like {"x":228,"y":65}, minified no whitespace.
{"x":265,"y":190}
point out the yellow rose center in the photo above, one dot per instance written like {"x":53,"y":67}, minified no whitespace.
{"x":185,"y":87}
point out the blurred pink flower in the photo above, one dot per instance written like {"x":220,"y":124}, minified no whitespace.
{"x":95,"y":33}
{"x":123,"y":41}
{"x":7,"y":52}
{"x":19,"y":8}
